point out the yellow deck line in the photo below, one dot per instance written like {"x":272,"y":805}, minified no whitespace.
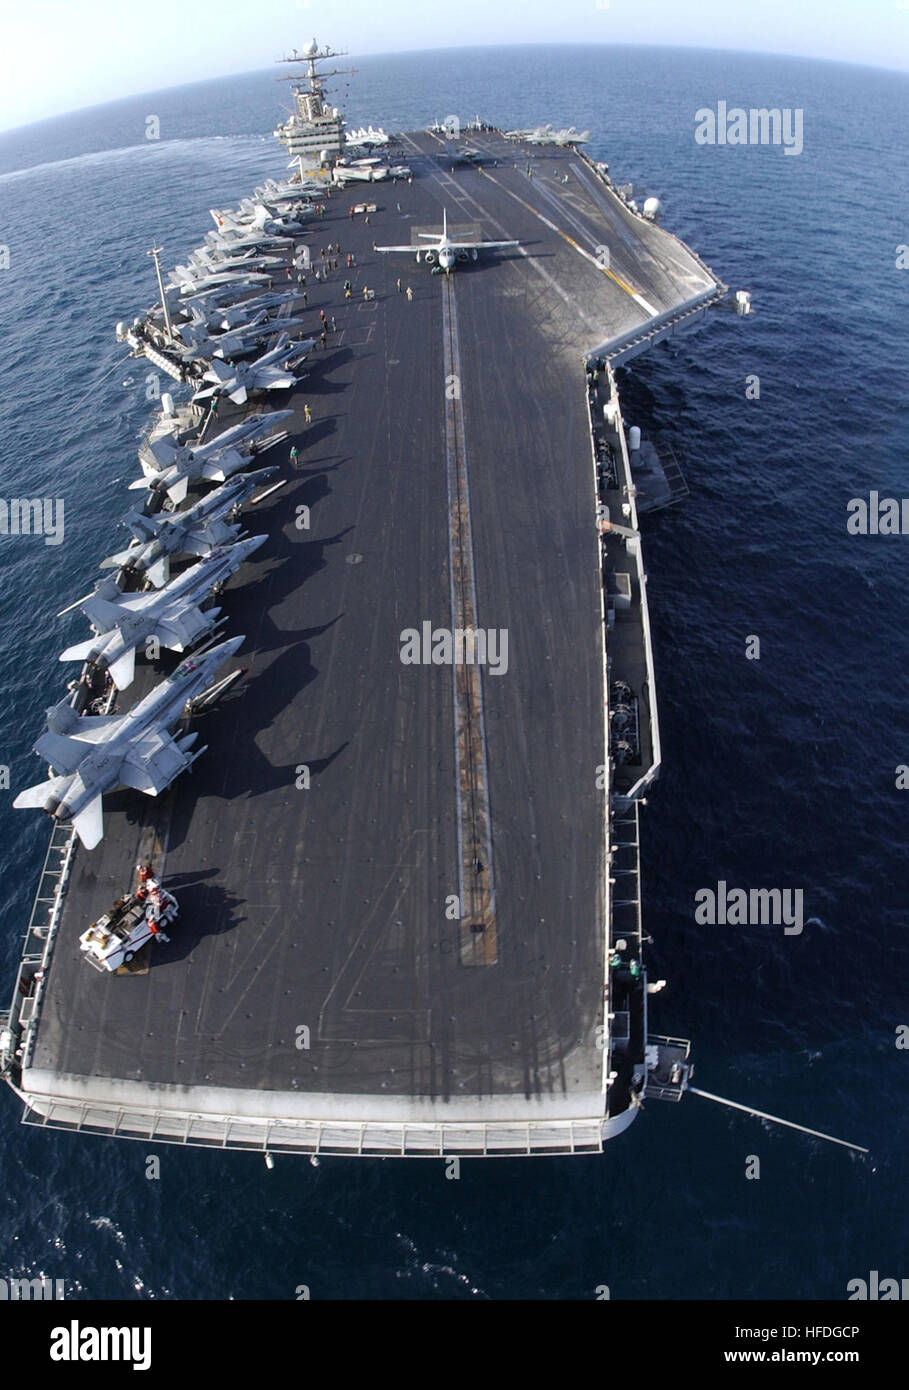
{"x":565,"y":237}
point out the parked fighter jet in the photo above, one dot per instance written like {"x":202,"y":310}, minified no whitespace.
{"x":252,"y":217}
{"x":195,"y":531}
{"x":237,"y":342}
{"x":161,"y":447}
{"x":365,"y":138}
{"x":173,"y":615}
{"x":190,"y":281}
{"x":267,"y":373}
{"x":288,"y":192}
{"x":94,"y":754}
{"x":170,"y":467}
{"x":234,"y":242}
{"x":545,"y":135}
{"x":246,"y":310}
{"x":242,"y":222}
{"x":271,"y":219}
{"x":445,"y":251}
{"x":210,"y":299}
{"x":211,"y":261}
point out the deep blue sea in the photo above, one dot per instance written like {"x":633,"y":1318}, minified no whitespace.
{"x":777,"y":772}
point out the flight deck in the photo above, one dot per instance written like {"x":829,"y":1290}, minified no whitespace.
{"x":393,"y":874}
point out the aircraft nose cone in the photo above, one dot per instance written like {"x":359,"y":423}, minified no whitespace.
{"x":252,"y":544}
{"x":226,"y":649}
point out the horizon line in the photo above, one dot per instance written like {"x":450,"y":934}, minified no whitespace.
{"x":412,"y":52}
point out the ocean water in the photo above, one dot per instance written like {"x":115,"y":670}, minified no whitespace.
{"x":777,"y":772}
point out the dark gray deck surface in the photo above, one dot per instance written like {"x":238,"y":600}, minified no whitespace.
{"x":326,"y":907}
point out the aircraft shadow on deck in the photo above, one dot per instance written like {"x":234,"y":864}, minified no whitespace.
{"x":206,"y":909}
{"x":251,"y":772}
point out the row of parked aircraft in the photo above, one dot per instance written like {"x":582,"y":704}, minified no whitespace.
{"x":219,"y":312}
{"x":545,"y":135}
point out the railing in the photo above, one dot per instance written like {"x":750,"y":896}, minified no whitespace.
{"x":39,"y":937}
{"x":365,"y":1138}
{"x":626,"y":888}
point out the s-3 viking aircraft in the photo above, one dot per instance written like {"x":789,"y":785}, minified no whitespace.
{"x":445,"y":251}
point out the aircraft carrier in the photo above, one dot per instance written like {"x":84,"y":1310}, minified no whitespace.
{"x":409,"y":888}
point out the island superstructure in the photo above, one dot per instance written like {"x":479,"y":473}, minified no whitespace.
{"x":314,"y":129}
{"x":409,"y":886}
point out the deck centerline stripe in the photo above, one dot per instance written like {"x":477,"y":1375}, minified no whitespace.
{"x":476,"y":882}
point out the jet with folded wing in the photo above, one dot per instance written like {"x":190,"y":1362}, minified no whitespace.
{"x":234,"y":241}
{"x":195,"y":531}
{"x":172,"y":615}
{"x":190,"y":280}
{"x":273,"y":220}
{"x":235,"y":342}
{"x":268,"y":373}
{"x":256,"y":217}
{"x":94,"y":754}
{"x":209,"y":299}
{"x":228,"y":316}
{"x":446,"y":252}
{"x":172,"y":467}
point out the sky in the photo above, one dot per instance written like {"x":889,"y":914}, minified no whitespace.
{"x":59,"y":55}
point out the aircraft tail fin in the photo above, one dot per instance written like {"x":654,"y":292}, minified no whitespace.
{"x":142,"y":526}
{"x":102,"y":612}
{"x":62,"y":752}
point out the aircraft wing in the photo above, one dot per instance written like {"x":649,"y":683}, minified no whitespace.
{"x":278,"y":382}
{"x":411,"y":250}
{"x":480,"y":245}
{"x":218,"y":372}
{"x":152,"y":764}
{"x":202,"y":540}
